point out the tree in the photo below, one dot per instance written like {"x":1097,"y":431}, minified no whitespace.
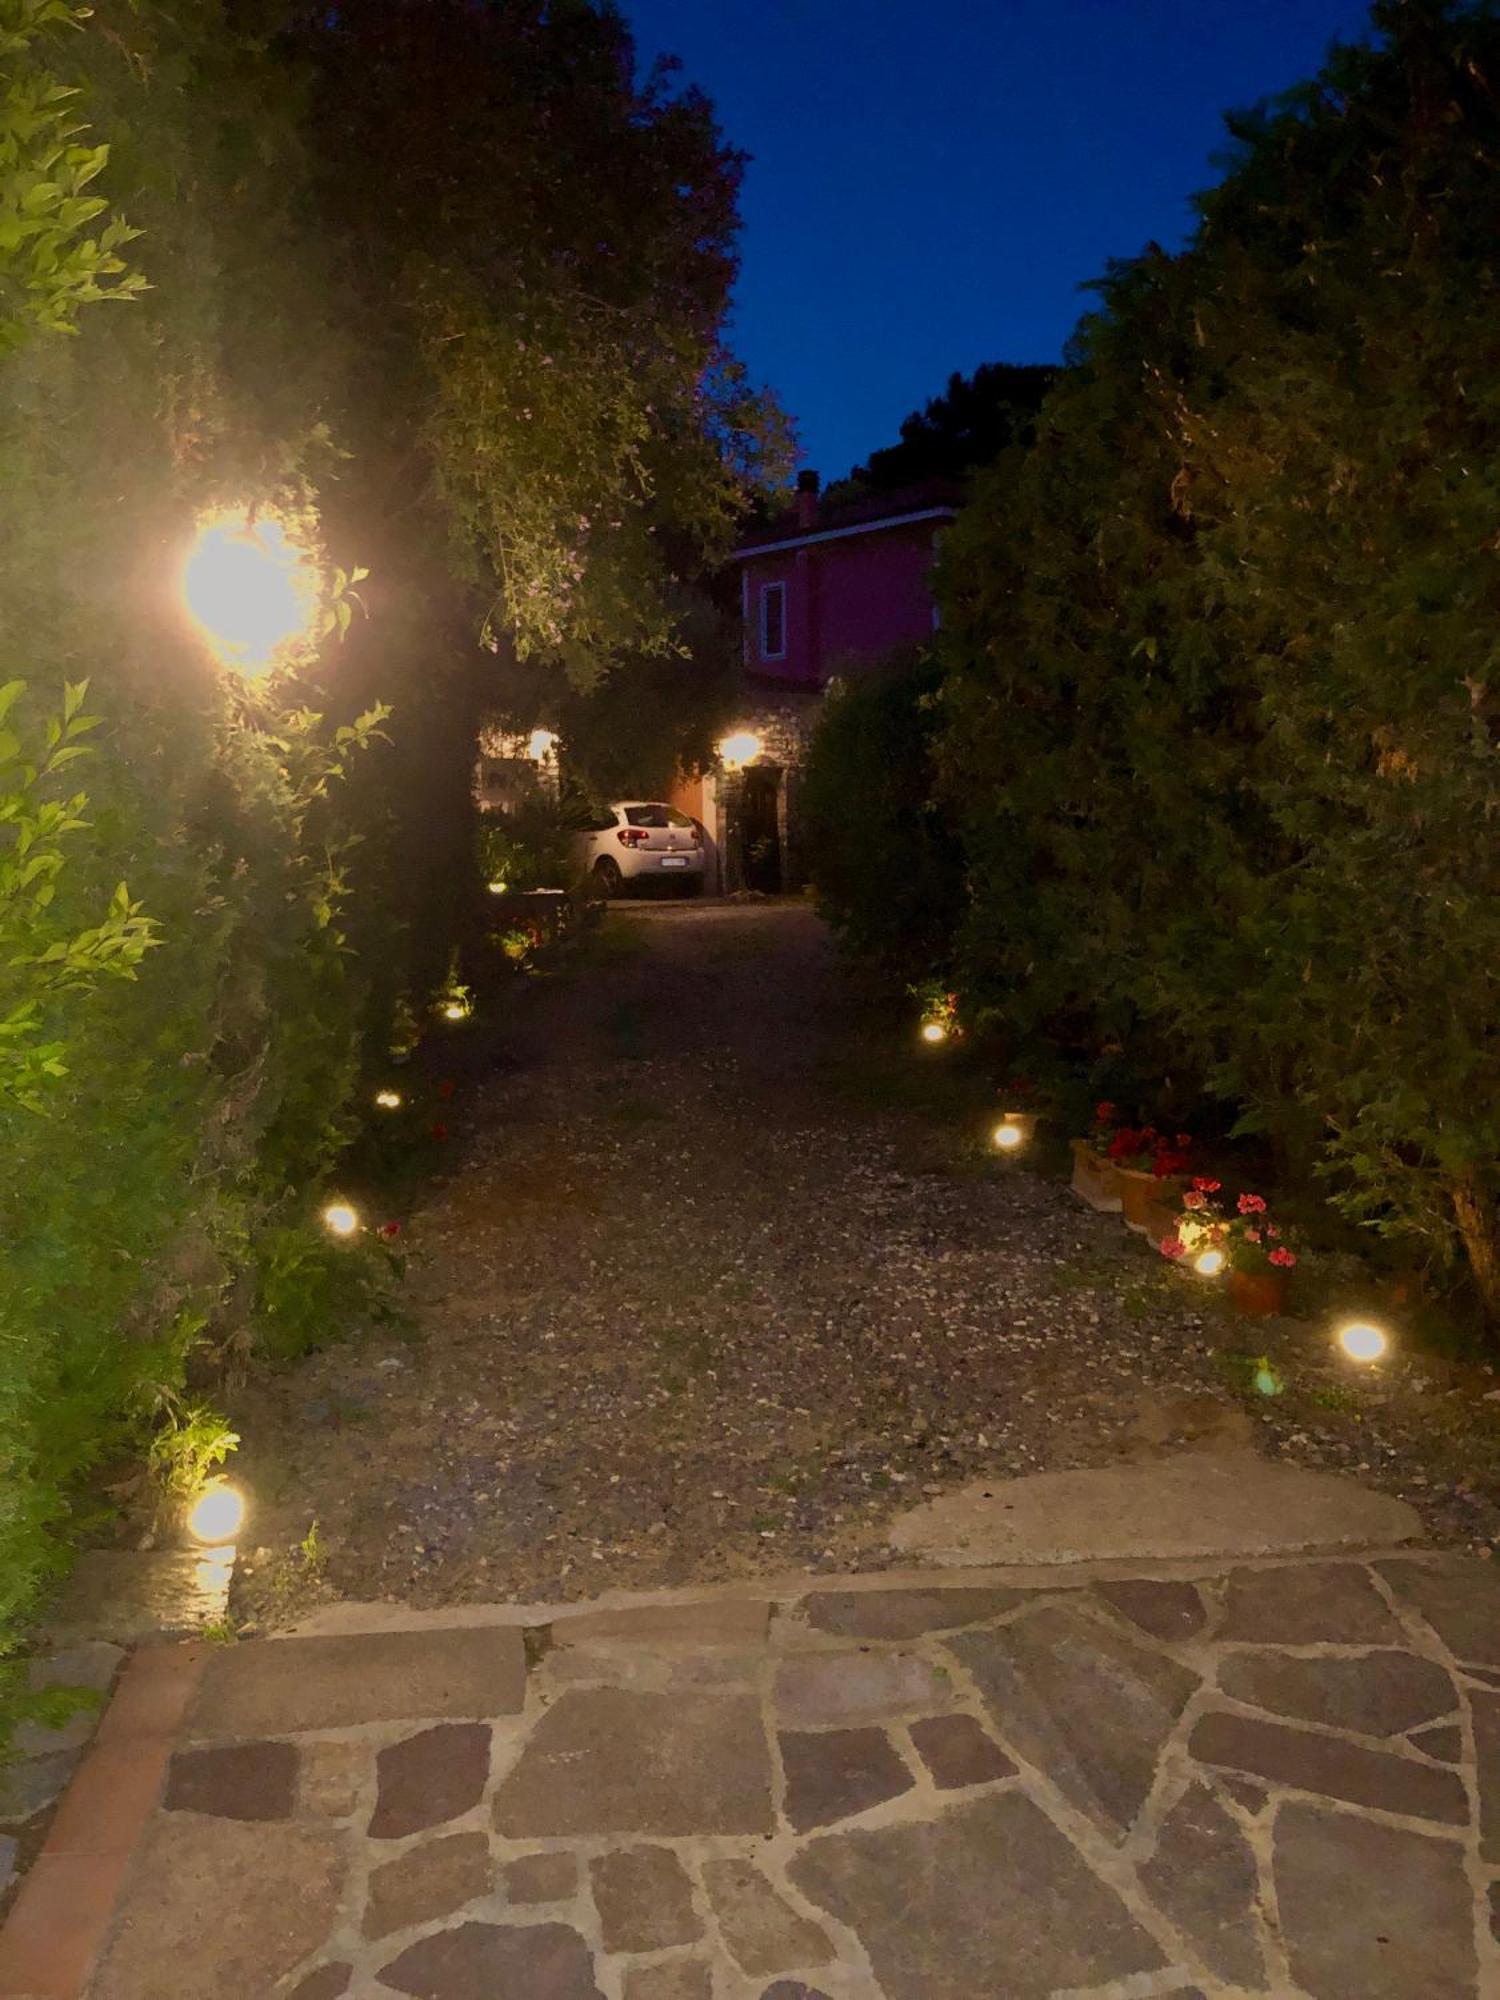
{"x":1221,"y":717}
{"x":969,"y":425}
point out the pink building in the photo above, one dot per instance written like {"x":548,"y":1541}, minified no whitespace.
{"x":825,"y":590}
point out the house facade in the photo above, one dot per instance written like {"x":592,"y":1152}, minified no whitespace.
{"x":825,"y":591}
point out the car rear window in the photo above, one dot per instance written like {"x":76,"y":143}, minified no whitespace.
{"x":656,"y":816}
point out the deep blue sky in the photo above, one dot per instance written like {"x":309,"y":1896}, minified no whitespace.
{"x":933,"y":180}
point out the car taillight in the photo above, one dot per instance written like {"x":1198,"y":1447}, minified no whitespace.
{"x":697,"y":837}
{"x":632,"y":836}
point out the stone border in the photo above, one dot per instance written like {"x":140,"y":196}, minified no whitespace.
{"x":57,"y":1924}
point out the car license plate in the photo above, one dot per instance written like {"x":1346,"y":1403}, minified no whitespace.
{"x":674,"y":861}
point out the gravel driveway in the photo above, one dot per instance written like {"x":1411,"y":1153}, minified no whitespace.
{"x":711,"y":1295}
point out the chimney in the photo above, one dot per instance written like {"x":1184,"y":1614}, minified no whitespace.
{"x":807,"y":499}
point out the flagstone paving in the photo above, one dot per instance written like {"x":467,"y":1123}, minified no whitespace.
{"x":1274,"y":1778}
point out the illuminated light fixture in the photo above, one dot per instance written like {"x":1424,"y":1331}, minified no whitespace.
{"x":1266,"y":1381}
{"x":217,"y":1514}
{"x":388,"y":1100}
{"x":541,"y":745}
{"x":934,"y":1031}
{"x":497,"y":888}
{"x":743,"y":747}
{"x":1209,"y":1263}
{"x":339,"y":1219}
{"x":1016,"y":1129}
{"x":456,"y":1010}
{"x":250,"y":587}
{"x":1363,"y":1342}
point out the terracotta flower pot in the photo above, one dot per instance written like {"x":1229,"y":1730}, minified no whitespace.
{"x":1148,"y":1201}
{"x":1094,"y":1178}
{"x":1258,"y":1294}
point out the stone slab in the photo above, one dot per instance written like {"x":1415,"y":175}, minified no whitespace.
{"x":724,"y":1621}
{"x":958,"y":1752}
{"x":611,"y":1760}
{"x":429,"y":1880}
{"x":1187,"y":1505}
{"x":234,"y":1781}
{"x":831,"y":1774}
{"x":823,"y":1689}
{"x":644,"y":1898}
{"x":1088,"y":1704}
{"x":1382,"y":1693}
{"x":1202,"y":1872}
{"x":129,"y":1597}
{"x":277,"y":1687}
{"x":988,"y":1899}
{"x":541,"y":1878}
{"x":905,"y":1614}
{"x":762,"y":1930}
{"x":430,"y":1778}
{"x":1373,"y":1912}
{"x":182,"y":1937}
{"x":1308,"y":1761}
{"x":1460,"y":1600}
{"x":486,"y":1961}
{"x":1307,"y":1604}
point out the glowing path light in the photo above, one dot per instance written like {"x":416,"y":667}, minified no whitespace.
{"x":1009,"y":1136}
{"x":250,"y":588}
{"x":1361,"y":1341}
{"x":934,"y":1031}
{"x":339,"y":1219}
{"x":1209,"y":1263}
{"x":218,"y":1514}
{"x":388,"y":1100}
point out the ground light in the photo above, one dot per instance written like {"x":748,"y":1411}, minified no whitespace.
{"x":388,"y":1100}
{"x":218,"y":1513}
{"x":1209,"y":1263}
{"x":743,"y":747}
{"x":1361,"y":1341}
{"x":498,"y":888}
{"x":456,"y":1010}
{"x":934,"y":1031}
{"x":339,"y":1219}
{"x":250,"y":587}
{"x":1008,"y":1136}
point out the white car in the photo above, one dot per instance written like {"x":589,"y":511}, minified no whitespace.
{"x":636,"y":839}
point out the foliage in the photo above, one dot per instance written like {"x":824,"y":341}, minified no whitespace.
{"x":882,"y":854}
{"x":974,"y":420}
{"x":40,"y":960}
{"x":1221,"y":716}
{"x":188,"y":1448}
{"x":51,"y":266}
{"x":527,"y":847}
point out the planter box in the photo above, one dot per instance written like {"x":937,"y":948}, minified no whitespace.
{"x":1258,"y":1294}
{"x":1149,"y":1201}
{"x":1094,"y":1178}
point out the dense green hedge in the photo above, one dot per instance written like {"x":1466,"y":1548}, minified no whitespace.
{"x":203,"y":308}
{"x":882,"y":850}
{"x":1221,"y":716}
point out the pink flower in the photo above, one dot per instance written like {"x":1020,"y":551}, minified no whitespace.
{"x":390,"y":1229}
{"x":1104,"y":1113}
{"x":1172,"y":1246}
{"x":1206,"y":1186}
{"x":1283,"y":1258}
{"x":1252,"y":1204}
{"x":1193,"y":1199}
{"x":1252,"y":1236}
{"x":1272,"y":1231}
{"x":1185,"y":1141}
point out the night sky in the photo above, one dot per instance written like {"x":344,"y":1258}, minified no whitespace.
{"x":933,"y":180}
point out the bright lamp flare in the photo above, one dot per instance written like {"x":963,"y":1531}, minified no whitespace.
{"x":388,"y":1100}
{"x":498,"y":888}
{"x":743,"y":747}
{"x":250,"y":588}
{"x":1008,"y":1136}
{"x":541,"y":746}
{"x":1362,"y":1342}
{"x":455,"y":1010}
{"x":1209,"y":1263}
{"x":217,"y":1514}
{"x":340,"y":1219}
{"x":934,"y":1031}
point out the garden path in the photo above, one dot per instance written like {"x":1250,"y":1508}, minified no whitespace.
{"x":722,"y":1277}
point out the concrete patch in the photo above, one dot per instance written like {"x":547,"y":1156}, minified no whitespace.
{"x":1194,"y":1504}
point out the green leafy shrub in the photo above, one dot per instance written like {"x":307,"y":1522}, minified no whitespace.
{"x":1221,"y":720}
{"x":882,"y":851}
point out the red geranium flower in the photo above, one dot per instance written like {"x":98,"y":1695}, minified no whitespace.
{"x":445,"y":1088}
{"x":1172,"y":1246}
{"x":1206,"y":1186}
{"x":1105,"y":1112}
{"x":1194,"y":1198}
{"x":439,"y":1131}
{"x":1252,"y":1204}
{"x":390,"y":1228}
{"x":1283,"y":1257}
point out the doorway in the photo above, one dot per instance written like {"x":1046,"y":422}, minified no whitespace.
{"x":760,"y":828}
